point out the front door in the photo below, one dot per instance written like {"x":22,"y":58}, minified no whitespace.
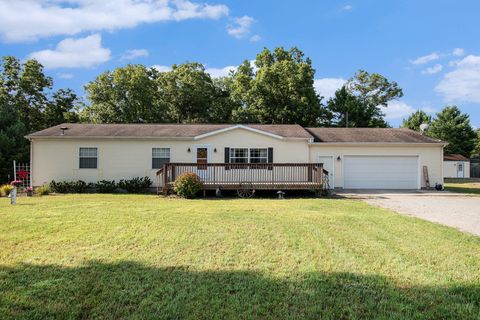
{"x":328,"y":165}
{"x":202,"y":158}
{"x":460,"y":169}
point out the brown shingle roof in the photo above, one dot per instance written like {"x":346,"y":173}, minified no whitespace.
{"x":454,"y":157}
{"x":161,"y":130}
{"x":379,"y":135}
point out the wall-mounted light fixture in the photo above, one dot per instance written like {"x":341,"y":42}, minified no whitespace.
{"x":338,"y":158}
{"x":188,"y":150}
{"x":215,"y":150}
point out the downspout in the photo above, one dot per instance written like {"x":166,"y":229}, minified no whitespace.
{"x":31,"y":162}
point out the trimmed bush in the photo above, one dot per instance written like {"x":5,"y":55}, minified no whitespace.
{"x":135,"y":185}
{"x":105,"y":186}
{"x":69,"y":186}
{"x":188,"y":185}
{"x":43,"y":190}
{"x":5,"y":190}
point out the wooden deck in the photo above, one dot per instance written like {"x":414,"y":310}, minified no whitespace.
{"x":265,"y":176}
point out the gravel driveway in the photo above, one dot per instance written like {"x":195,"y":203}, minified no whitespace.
{"x":451,"y":209}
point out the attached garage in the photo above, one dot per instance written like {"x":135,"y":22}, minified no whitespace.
{"x":378,"y":158}
{"x":381,"y":172}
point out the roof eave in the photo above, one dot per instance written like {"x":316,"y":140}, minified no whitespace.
{"x":379,"y":143}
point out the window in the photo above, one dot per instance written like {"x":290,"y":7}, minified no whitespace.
{"x":88,"y":158}
{"x":239,"y":155}
{"x":258,"y":155}
{"x":248,"y":155}
{"x":160,"y":156}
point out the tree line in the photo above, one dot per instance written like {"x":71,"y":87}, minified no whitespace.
{"x":276,"y":88}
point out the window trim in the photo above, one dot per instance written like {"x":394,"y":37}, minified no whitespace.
{"x":169,"y":156}
{"x":88,"y":157}
{"x":248,"y":155}
{"x":231,"y":156}
{"x":259,"y":157}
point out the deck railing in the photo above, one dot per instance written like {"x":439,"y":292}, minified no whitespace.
{"x":258,"y":176}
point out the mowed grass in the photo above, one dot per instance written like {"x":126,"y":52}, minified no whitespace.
{"x":463,"y":186}
{"x":146,"y":257}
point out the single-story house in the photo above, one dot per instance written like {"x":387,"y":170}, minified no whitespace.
{"x":354,"y":158}
{"x":456,"y":166}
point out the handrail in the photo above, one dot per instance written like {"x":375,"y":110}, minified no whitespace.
{"x":262,"y":175}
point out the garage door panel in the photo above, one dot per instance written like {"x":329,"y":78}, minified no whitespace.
{"x":381,"y":172}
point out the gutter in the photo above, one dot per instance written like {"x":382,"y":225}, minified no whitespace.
{"x":377,"y":144}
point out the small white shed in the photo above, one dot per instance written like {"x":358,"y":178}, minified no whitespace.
{"x":456,"y":166}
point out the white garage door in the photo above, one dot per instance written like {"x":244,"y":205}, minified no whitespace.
{"x":380,"y":172}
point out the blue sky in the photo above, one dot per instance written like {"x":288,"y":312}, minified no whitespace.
{"x":431,"y":48}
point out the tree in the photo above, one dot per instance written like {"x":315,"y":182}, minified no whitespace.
{"x":476,"y":150}
{"x":280,"y":90}
{"x":188,"y":93}
{"x":223,"y":106}
{"x":25,"y":107}
{"x":22,"y":100}
{"x":361,"y":99}
{"x":348,"y":110}
{"x":416,"y":119}
{"x":62,"y":108}
{"x":373,"y":89}
{"x":454,"y":127}
{"x":125,"y":95}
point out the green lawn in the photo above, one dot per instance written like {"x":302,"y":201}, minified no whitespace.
{"x":463,"y":186}
{"x":128,"y":256}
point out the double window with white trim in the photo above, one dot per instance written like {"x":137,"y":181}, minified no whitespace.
{"x":248,"y":155}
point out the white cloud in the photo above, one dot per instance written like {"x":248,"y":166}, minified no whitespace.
{"x":220,"y":72}
{"x":214,"y":72}
{"x":429,"y":109}
{"x":326,"y":87}
{"x":397,"y":110}
{"x":425,"y":59}
{"x":463,"y":83}
{"x":255,"y":38}
{"x":74,"y":53}
{"x":65,"y":75}
{"x":161,"y":68}
{"x":134,"y":53}
{"x":433,"y":70}
{"x":23,"y":20}
{"x":347,"y":7}
{"x":458,"y":52}
{"x":241,"y":27}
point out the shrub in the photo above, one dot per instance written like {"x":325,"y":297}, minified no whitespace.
{"x":43,"y":190}
{"x":105,"y":186}
{"x":135,"y":185}
{"x":5,"y":190}
{"x":188,"y":185}
{"x":69,"y":186}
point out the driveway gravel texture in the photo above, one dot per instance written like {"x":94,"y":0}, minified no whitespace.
{"x":456,"y":210}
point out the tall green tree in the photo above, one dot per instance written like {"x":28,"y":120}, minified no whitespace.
{"x":24,"y":87}
{"x":373,"y":89}
{"x":278,"y":90}
{"x":223,"y":107}
{"x":358,"y":103}
{"x":26,"y":106}
{"x":125,"y":95}
{"x":349,"y":110}
{"x":476,"y":150}
{"x":416,"y":119}
{"x":453,"y":126}
{"x":62,"y":107}
{"x":188,"y":93}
